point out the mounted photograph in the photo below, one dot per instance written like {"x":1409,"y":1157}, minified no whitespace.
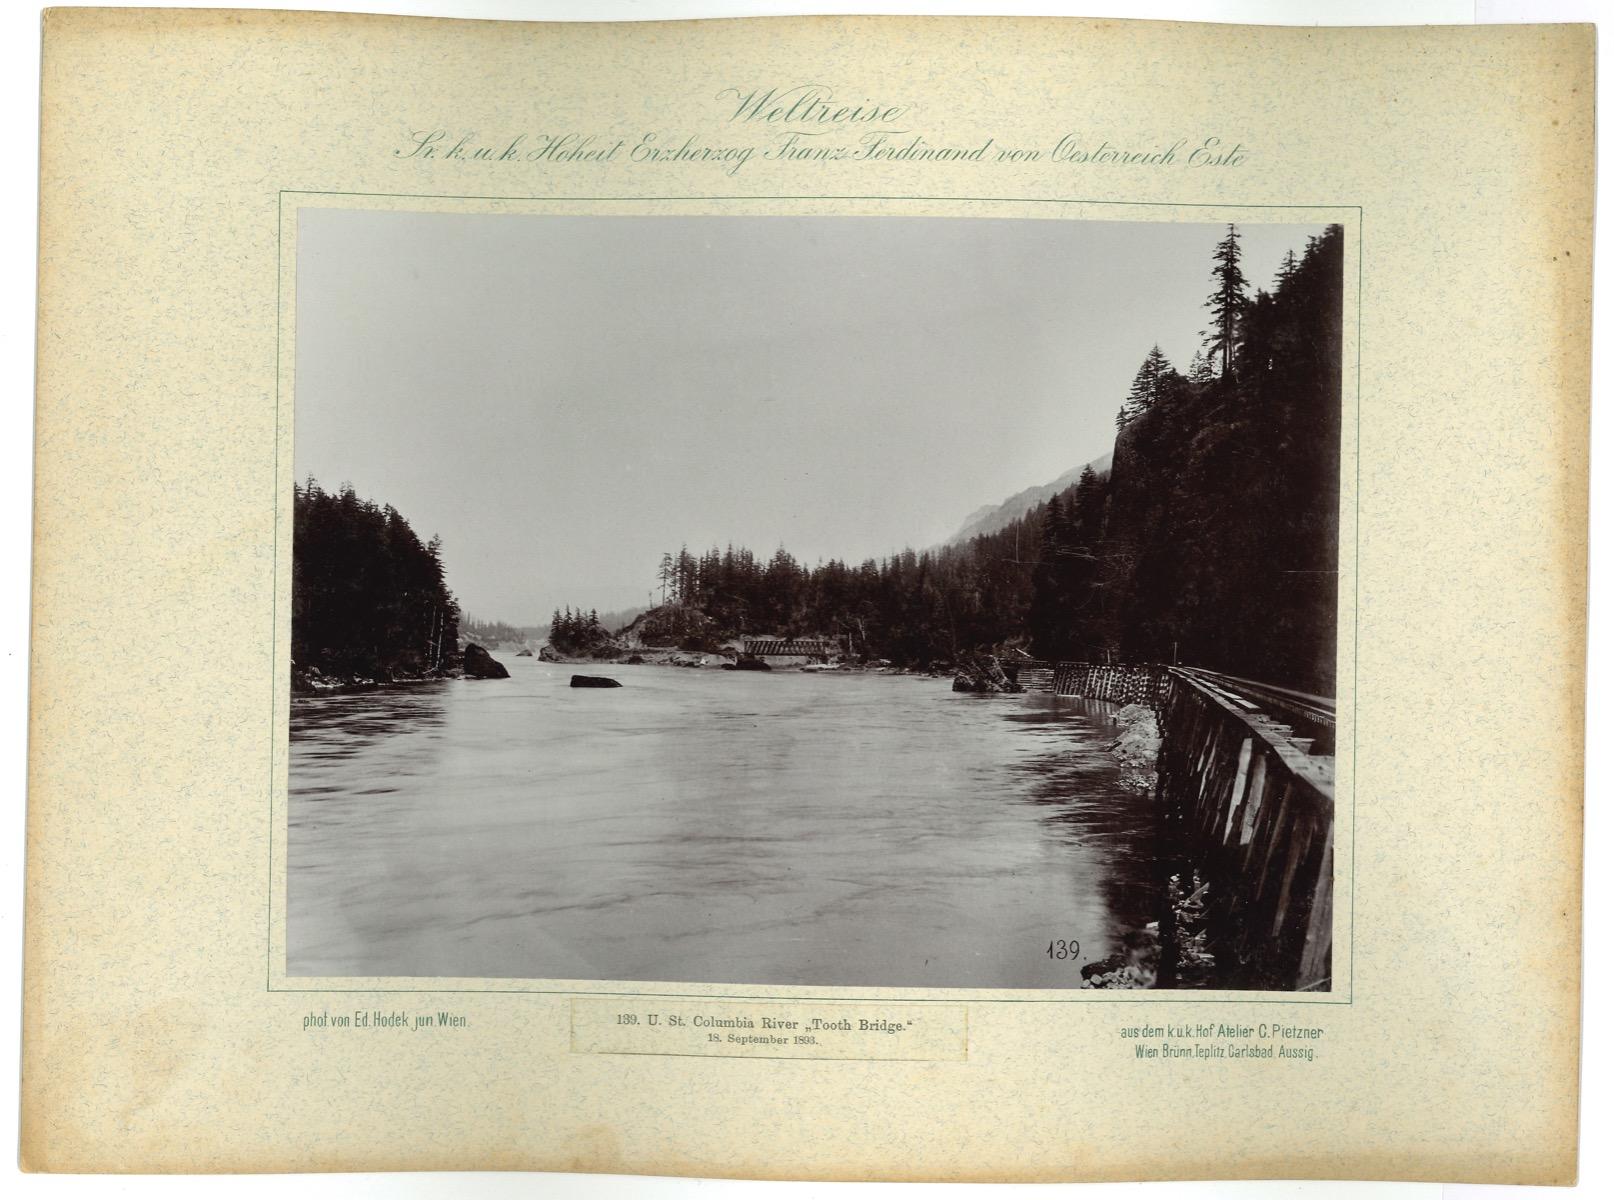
{"x":815,"y":601}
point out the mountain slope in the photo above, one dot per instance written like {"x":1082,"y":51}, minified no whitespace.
{"x":990,"y":518}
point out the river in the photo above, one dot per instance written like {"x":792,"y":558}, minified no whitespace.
{"x":834,"y":829}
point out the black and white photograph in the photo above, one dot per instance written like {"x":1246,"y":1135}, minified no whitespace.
{"x":878,"y":601}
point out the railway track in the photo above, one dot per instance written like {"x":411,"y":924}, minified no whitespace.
{"x":1310,"y":716}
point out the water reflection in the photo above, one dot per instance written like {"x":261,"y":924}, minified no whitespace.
{"x":715,"y":826}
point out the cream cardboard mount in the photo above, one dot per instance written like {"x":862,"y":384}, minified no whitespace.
{"x":241,"y":217}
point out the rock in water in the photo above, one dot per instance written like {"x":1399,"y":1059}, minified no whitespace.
{"x":983,"y":673}
{"x":593,"y":681}
{"x":479,"y":664}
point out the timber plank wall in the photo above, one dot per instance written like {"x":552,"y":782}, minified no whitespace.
{"x":1136,"y":684}
{"x":1244,"y":804}
{"x":1253,"y":813}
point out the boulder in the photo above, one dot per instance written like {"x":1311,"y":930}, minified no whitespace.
{"x":983,"y":673}
{"x":595,"y":681}
{"x":479,"y":664}
{"x":523,"y":653}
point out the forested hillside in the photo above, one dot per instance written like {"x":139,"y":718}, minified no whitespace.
{"x":1212,"y":540}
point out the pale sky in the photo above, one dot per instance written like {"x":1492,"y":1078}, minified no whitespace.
{"x":563,"y":398}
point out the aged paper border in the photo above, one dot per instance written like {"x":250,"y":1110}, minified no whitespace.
{"x":148,"y":1044}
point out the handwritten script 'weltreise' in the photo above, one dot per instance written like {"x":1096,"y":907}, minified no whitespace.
{"x":807,"y":104}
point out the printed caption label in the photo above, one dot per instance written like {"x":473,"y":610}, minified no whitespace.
{"x":770,"y":1029}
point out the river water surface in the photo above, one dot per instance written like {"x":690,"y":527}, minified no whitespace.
{"x":706,"y":825}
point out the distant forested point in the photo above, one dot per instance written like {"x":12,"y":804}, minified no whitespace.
{"x":918,"y":609}
{"x":579,"y":632}
{"x":1211,"y":541}
{"x":369,"y":599}
{"x":491,"y":633}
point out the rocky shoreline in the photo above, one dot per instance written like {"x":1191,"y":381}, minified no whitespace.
{"x":1136,"y":749}
{"x":476,"y":663}
{"x":311,"y":681}
{"x":643,"y":656}
{"x":663,"y":656}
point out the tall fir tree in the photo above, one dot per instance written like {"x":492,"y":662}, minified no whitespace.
{"x":1226,"y":301}
{"x":1287,"y":269}
{"x":1149,"y":385}
{"x":1087,"y":511}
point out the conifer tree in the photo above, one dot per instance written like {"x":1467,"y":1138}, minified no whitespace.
{"x":1288,"y":267}
{"x":1087,"y":511}
{"x":1226,"y":300}
{"x":1148,"y":386}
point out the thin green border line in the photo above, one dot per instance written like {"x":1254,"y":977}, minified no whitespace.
{"x":916,"y":199}
{"x":1086,"y":996}
{"x":274,"y":608}
{"x":1356,"y":607}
